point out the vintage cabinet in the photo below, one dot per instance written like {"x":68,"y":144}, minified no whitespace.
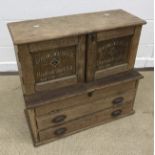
{"x":72,"y":70}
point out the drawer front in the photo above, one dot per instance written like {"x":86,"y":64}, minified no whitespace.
{"x":87,"y":97}
{"x":109,"y":52}
{"x":54,"y":64}
{"x":85,"y":122}
{"x":69,"y":114}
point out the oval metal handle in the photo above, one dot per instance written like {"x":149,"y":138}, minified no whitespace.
{"x":60,"y":131}
{"x":118,"y":100}
{"x":116,"y":113}
{"x":59,"y":119}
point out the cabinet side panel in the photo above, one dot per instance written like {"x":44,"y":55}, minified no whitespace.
{"x":30,"y":115}
{"x":19,"y":68}
{"x":134,"y":46}
{"x":25,"y":61}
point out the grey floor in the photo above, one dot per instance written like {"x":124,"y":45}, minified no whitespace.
{"x":131,"y":135}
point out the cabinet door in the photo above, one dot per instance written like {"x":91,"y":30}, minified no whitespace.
{"x":110,"y":52}
{"x":52,"y":64}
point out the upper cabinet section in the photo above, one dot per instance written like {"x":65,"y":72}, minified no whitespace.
{"x":112,"y":51}
{"x":59,"y":52}
{"x":51,"y":64}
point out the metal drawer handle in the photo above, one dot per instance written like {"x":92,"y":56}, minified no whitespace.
{"x":118,"y":100}
{"x":59,"y":119}
{"x":60,"y":131}
{"x":116,"y":113}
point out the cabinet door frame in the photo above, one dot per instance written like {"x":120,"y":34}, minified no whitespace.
{"x":93,"y":38}
{"x":25,"y":64}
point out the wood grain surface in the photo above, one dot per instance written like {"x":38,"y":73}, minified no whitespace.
{"x":56,"y":27}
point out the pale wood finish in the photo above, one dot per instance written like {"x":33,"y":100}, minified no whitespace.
{"x":116,"y":33}
{"x":84,"y":122}
{"x":83,"y":98}
{"x":133,"y":34}
{"x":94,"y":108}
{"x":79,"y":62}
{"x":28,"y":73}
{"x":80,"y":58}
{"x":85,"y":109}
{"x":110,"y":71}
{"x":57,"y":27}
{"x":57,"y":83}
{"x":76,"y":71}
{"x":19,"y":68}
{"x":134,"y":46}
{"x":50,"y":59}
{"x":55,"y":43}
{"x":83,"y":129}
{"x":26,"y":70}
{"x":91,"y":57}
{"x":30,"y":114}
{"x":44,"y":98}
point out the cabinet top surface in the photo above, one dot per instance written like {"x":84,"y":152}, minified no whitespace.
{"x":59,"y":27}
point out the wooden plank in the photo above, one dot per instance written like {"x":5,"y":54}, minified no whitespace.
{"x":111,"y":71}
{"x":80,"y":58}
{"x":57,"y":83}
{"x":134,"y":46}
{"x":55,"y":43}
{"x":83,"y":98}
{"x":27,"y":69}
{"x":84,"y":122}
{"x":136,"y":87}
{"x":60,"y":27}
{"x":45,"y":97}
{"x":69,"y":114}
{"x":19,"y":68}
{"x":31,"y":118}
{"x":116,"y":33}
{"x":91,"y":57}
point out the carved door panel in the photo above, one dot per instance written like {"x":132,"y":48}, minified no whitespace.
{"x":57,"y":63}
{"x":108,"y":52}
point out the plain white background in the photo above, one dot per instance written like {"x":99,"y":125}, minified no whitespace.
{"x":16,"y":10}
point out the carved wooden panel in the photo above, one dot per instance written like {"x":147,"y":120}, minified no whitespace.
{"x":112,"y":52}
{"x":54,"y":63}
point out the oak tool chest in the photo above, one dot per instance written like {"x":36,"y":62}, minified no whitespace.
{"x":76,"y":71}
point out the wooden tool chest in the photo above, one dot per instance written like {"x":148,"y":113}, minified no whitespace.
{"x":76,"y":71}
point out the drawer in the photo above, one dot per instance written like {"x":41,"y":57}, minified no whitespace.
{"x":91,"y":95}
{"x":103,"y":102}
{"x":85,"y":122}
